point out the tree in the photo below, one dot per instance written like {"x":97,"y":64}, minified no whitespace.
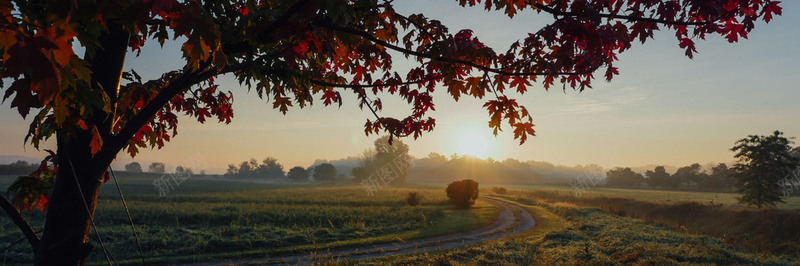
{"x":690,"y":175}
{"x":298,"y":173}
{"x":290,"y":52}
{"x":158,"y":168}
{"x":21,"y":163}
{"x":723,"y":175}
{"x":183,"y":170}
{"x":388,"y":160}
{"x":325,"y":173}
{"x":232,"y":170}
{"x":761,"y":162}
{"x":658,"y":177}
{"x":270,"y":168}
{"x":133,"y":167}
{"x":623,"y":177}
{"x":462,"y":193}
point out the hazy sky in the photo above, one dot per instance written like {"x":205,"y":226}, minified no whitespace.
{"x":663,"y":109}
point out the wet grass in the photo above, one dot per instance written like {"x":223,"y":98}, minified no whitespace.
{"x":241,"y":220}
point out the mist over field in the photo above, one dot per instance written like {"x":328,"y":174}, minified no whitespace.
{"x":414,"y":132}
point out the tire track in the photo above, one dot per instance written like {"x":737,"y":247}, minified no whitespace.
{"x":507,"y":224}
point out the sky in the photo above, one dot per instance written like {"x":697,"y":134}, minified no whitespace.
{"x":663,"y":108}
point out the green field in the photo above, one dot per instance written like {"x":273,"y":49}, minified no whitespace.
{"x":244,"y":219}
{"x":207,"y":219}
{"x":662,"y":196}
{"x":567,"y":234}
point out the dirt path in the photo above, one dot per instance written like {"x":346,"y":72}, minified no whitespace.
{"x":506,"y":224}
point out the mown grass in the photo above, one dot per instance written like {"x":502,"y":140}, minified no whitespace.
{"x":190,"y":224}
{"x":568,"y":234}
{"x":660,"y":196}
{"x":776,"y":231}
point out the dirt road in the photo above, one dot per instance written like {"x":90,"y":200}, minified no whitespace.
{"x":506,"y":224}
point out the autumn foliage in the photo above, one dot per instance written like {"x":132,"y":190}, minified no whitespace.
{"x":293,"y":53}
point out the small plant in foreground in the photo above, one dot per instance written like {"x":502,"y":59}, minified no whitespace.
{"x":499,"y":190}
{"x":413,"y":198}
{"x":463,"y":193}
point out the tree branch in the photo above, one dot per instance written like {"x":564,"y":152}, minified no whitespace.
{"x":375,"y":40}
{"x":630,"y":18}
{"x":20,"y":221}
{"x":296,"y":7}
{"x":359,"y":86}
{"x":116,"y":143}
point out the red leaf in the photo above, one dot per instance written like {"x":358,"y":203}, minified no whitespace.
{"x":770,"y":9}
{"x":97,"y":142}
{"x":42,"y":203}
{"x":689,"y":45}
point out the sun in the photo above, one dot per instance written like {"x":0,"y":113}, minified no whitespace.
{"x":474,"y":144}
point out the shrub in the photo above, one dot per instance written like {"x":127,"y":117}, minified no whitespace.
{"x":463,"y":193}
{"x":499,"y":190}
{"x":413,"y":198}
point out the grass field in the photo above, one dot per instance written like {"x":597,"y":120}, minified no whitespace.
{"x":206,"y":219}
{"x":567,"y":234}
{"x":657,"y":196}
{"x":255,"y":220}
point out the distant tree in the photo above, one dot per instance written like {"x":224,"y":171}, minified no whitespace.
{"x":291,"y":52}
{"x":133,"y":167}
{"x":437,"y":157}
{"x":761,"y":162}
{"x":232,"y":170}
{"x":796,"y":152}
{"x":388,"y":158}
{"x":325,"y":173}
{"x":623,"y":177}
{"x":462,"y":193}
{"x":690,"y":176}
{"x":725,"y":175}
{"x":183,"y":170}
{"x":298,"y":173}
{"x":18,"y":168}
{"x":270,"y":168}
{"x":658,"y":177}
{"x":499,"y":190}
{"x":21,"y":163}
{"x":158,"y":168}
{"x":245,"y":169}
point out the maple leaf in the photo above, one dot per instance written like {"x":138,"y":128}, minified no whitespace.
{"x":97,"y":142}
{"x":521,"y":83}
{"x":522,"y":130}
{"x":770,"y":9}
{"x":295,"y":50}
{"x":689,"y":45}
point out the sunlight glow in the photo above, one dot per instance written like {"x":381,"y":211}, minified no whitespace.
{"x":474,"y":144}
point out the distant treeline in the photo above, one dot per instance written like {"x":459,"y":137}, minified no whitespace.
{"x":437,"y":168}
{"x":17,"y":168}
{"x":719,"y":178}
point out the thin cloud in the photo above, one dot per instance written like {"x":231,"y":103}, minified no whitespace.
{"x":612,"y":99}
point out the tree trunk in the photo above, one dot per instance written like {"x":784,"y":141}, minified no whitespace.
{"x":74,"y":195}
{"x":67,"y":223}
